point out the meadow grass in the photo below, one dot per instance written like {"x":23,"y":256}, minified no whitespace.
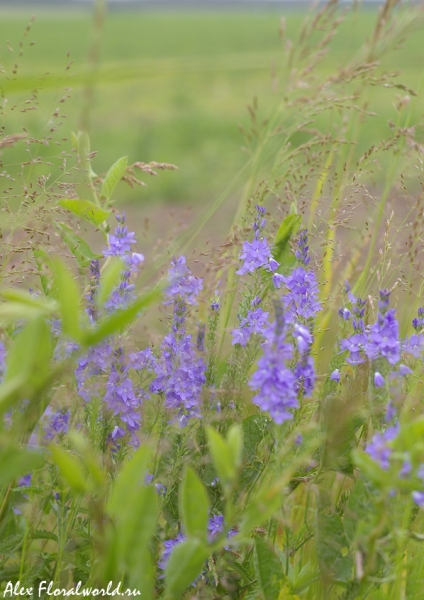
{"x":177,"y":84}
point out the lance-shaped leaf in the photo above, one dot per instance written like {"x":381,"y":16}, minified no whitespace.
{"x":84,"y":209}
{"x":113,"y":177}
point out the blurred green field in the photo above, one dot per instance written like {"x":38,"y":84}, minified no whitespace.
{"x":174,"y":86}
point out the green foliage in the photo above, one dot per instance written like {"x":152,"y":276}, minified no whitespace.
{"x":194,"y":505}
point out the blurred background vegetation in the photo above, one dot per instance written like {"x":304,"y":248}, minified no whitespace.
{"x":173,"y":85}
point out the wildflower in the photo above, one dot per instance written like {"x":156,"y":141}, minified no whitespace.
{"x":301,"y":300}
{"x":273,"y":380}
{"x":58,"y":423}
{"x":169,"y":545}
{"x":404,"y":370}
{"x":254,"y":255}
{"x":180,"y":375}
{"x":255,"y":322}
{"x":120,"y":240}
{"x":302,"y":253}
{"x":182,"y":283}
{"x":383,"y":338}
{"x":354,"y":345}
{"x":406,"y":469}
{"x":344,"y":313}
{"x":418,"y":498}
{"x":414,"y":345}
{"x":379,"y":448}
{"x":379,"y":380}
{"x":335,"y":375}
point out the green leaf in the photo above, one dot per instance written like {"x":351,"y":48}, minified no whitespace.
{"x":235,"y":445}
{"x":221,"y":456}
{"x":84,"y":209}
{"x":185,"y":564}
{"x":68,"y":296}
{"x":268,"y":570}
{"x":120,"y":318}
{"x":30,"y":353}
{"x":132,"y":473}
{"x":16,"y":462}
{"x":70,"y":469}
{"x":113,"y":177}
{"x":333,"y":552}
{"x":287,"y":229}
{"x":109,"y":279}
{"x":194,"y":505}
{"x":79,"y":248}
{"x":23,"y":305}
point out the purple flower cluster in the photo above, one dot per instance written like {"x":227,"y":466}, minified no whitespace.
{"x":57,"y":424}
{"x":256,"y":321}
{"x":216,"y":525}
{"x":182,"y":282}
{"x":380,"y":449}
{"x":121,"y":397}
{"x":120,"y":245}
{"x":257,"y":254}
{"x":120,"y":240}
{"x":380,"y":340}
{"x":301,"y":300}
{"x":274,"y":381}
{"x":180,"y":373}
{"x":302,"y":253}
{"x":304,"y":370}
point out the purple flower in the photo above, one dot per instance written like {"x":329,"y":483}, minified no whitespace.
{"x":255,"y":322}
{"x":305,"y":375}
{"x":120,"y":240}
{"x":25,"y":481}
{"x":58,"y":423}
{"x":302,"y":253}
{"x":168,"y":546}
{"x":379,"y":448}
{"x":215,"y":526}
{"x":414,"y":345}
{"x":379,"y":380}
{"x":383,"y":338}
{"x":418,"y":498}
{"x":273,"y":380}
{"x":404,"y":370}
{"x":303,"y":338}
{"x":180,"y":375}
{"x":335,"y":375}
{"x":254,"y":255}
{"x":182,"y":282}
{"x":354,"y":345}
{"x":344,"y":313}
{"x":301,"y":300}
{"x":406,"y":469}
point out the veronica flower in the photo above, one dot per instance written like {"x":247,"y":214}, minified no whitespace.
{"x":273,"y":380}
{"x":58,"y":423}
{"x":302,"y":253}
{"x":120,"y":240}
{"x":301,"y":300}
{"x":379,"y":448}
{"x":383,"y":338}
{"x":255,"y":322}
{"x":379,"y":380}
{"x":335,"y":375}
{"x":182,"y":282}
{"x":418,"y":498}
{"x":168,"y":546}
